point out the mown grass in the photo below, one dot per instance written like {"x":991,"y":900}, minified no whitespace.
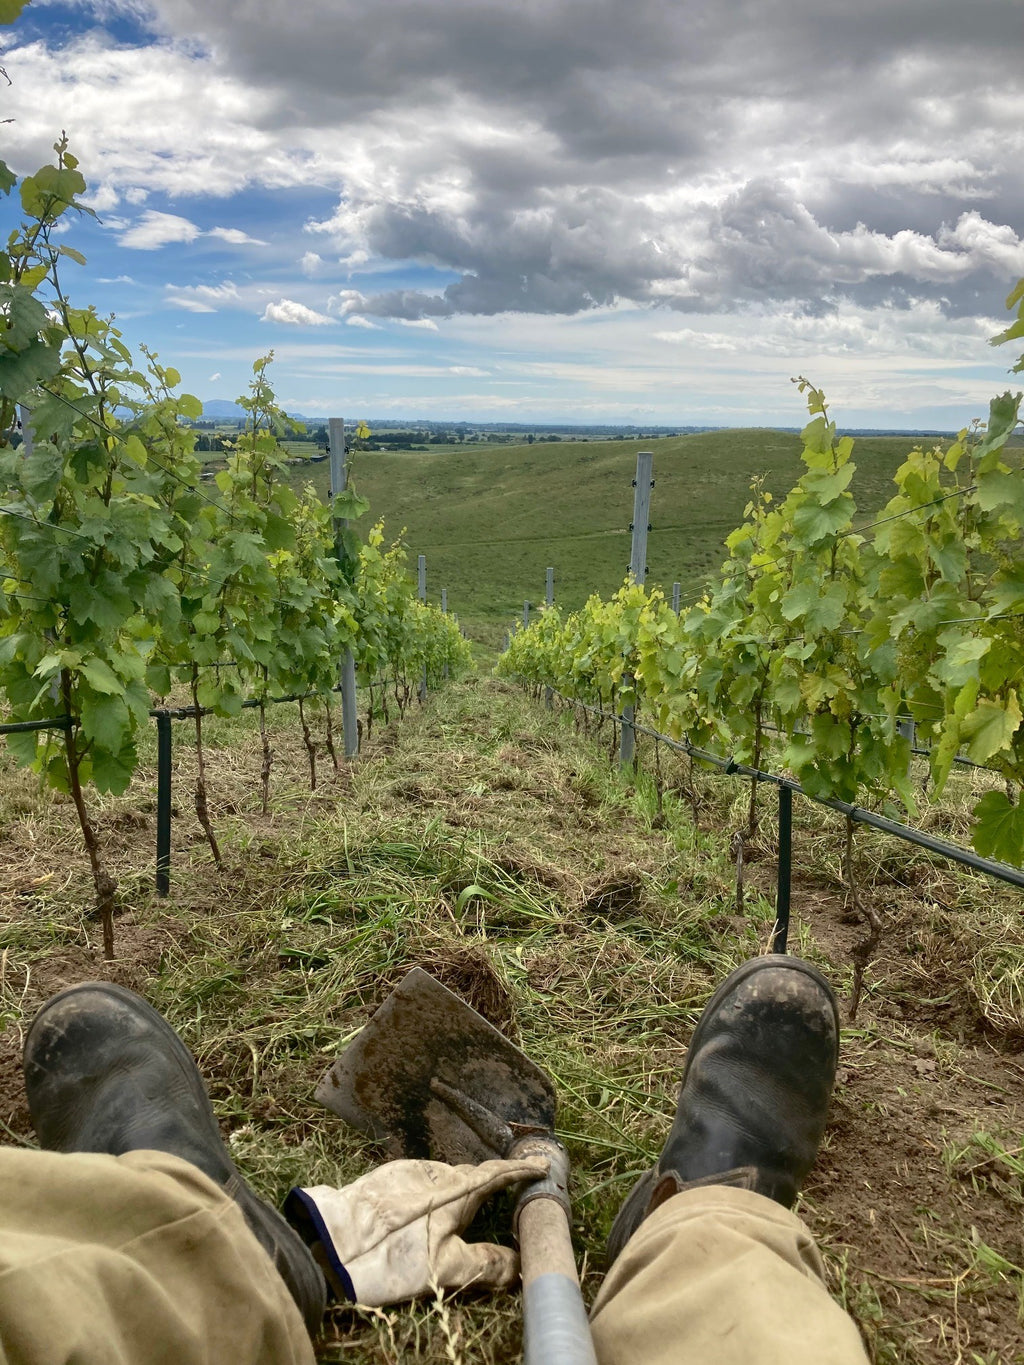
{"x":490,"y":842}
{"x":491,"y":519}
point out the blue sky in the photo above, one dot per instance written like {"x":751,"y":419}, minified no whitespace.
{"x":566,"y":211}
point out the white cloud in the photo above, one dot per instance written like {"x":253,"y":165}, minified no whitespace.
{"x":203,"y":298}
{"x":346,"y":301}
{"x":310,"y":263}
{"x":213,"y":377}
{"x":424,"y":324}
{"x":191,"y":305}
{"x":293,"y":314}
{"x":467,"y":369}
{"x":155,"y":229}
{"x":686,"y":336}
{"x":356,"y":320}
{"x":116,"y":279}
{"x":235,"y":236}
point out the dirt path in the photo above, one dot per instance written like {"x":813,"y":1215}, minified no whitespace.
{"x":487,"y":840}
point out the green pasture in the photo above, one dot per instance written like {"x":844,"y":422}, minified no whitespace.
{"x":490,"y":519}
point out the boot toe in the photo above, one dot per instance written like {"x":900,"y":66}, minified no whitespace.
{"x":755,"y":1091}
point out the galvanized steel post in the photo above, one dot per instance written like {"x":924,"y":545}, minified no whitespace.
{"x":642,"y":486}
{"x":549,"y":598}
{"x":421,"y":570}
{"x":339,"y":482}
{"x":163,"y":802}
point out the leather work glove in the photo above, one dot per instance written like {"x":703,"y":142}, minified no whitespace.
{"x":394,"y":1234}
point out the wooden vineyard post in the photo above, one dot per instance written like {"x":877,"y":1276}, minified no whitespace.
{"x":444,"y":612}
{"x":339,"y":482}
{"x":642,"y":486}
{"x":526,"y":614}
{"x":549,"y":598}
{"x":421,"y":568}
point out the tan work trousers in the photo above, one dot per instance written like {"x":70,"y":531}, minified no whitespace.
{"x":723,"y":1275}
{"x":134,"y":1260}
{"x":141,"y":1260}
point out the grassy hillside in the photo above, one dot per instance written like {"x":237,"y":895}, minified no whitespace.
{"x":491,"y":519}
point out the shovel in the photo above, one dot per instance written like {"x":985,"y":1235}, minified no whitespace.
{"x":432,"y":1079}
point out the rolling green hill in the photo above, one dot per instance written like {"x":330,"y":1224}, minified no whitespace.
{"x":490,"y":519}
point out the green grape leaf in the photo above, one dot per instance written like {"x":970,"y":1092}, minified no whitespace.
{"x":112,"y":772}
{"x":41,"y":473}
{"x":813,"y":523}
{"x":998,"y":830}
{"x":1002,"y":418}
{"x":105,"y":720}
{"x":101,"y":677}
{"x":51,"y":190}
{"x":278,"y":532}
{"x":21,"y":371}
{"x":8,"y":179}
{"x":991,"y":727}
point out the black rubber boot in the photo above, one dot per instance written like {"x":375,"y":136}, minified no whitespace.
{"x":105,"y":1073}
{"x":755,"y":1091}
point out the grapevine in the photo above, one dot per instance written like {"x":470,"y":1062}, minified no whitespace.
{"x":121,"y":576}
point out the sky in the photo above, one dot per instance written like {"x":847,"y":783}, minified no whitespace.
{"x":654,"y":212}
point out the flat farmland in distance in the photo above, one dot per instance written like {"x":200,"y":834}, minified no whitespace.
{"x":490,"y":519}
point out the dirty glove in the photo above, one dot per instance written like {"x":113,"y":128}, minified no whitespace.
{"x":394,"y":1234}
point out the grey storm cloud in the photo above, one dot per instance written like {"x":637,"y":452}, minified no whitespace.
{"x":557,"y":155}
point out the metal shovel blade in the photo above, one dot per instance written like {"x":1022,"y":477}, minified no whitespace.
{"x":433,"y":1079}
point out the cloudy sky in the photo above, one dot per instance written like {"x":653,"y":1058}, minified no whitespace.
{"x":645,"y":211}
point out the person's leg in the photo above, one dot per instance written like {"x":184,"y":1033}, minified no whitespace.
{"x":708,"y":1260}
{"x":106,"y":1075}
{"x":134,"y":1260}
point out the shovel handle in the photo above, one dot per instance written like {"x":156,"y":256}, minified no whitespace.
{"x":555,"y":1328}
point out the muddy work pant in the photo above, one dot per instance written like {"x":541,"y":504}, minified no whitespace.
{"x":723,"y":1275}
{"x":134,"y":1260}
{"x":141,"y":1260}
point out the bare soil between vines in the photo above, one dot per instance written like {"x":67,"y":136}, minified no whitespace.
{"x":489,"y":841}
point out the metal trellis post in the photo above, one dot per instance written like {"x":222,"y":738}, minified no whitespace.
{"x":785,"y":869}
{"x":163,"y":802}
{"x":642,"y":485}
{"x":675,"y":598}
{"x":339,"y":482}
{"x":549,"y":598}
{"x":421,"y":568}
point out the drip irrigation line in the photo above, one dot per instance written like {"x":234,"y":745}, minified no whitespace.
{"x":174,"y":712}
{"x":908,"y":833}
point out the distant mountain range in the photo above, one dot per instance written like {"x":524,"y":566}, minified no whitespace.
{"x":223,"y":410}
